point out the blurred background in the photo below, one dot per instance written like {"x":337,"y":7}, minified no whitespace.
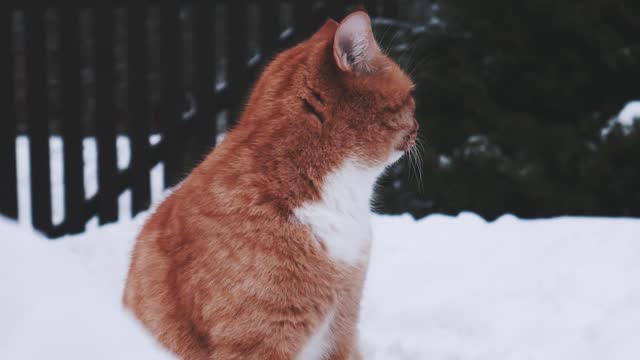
{"x":530,"y":108}
{"x":520,"y":103}
{"x":525,"y":107}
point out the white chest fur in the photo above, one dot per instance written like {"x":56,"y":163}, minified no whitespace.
{"x":341,"y":219}
{"x":319,"y":344}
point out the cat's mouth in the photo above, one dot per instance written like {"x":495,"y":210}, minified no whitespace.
{"x":409,"y":139}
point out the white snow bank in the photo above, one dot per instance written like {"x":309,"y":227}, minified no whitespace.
{"x":460,"y":288}
{"x":442,"y":288}
{"x":626,"y":118}
{"x":629,"y":113}
{"x":61,"y":300}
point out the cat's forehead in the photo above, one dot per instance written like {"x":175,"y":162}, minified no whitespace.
{"x":393,"y":79}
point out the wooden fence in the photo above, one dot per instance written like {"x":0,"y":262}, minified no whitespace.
{"x":89,"y":43}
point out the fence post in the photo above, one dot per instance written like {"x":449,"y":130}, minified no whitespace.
{"x":8,"y":175}
{"x":269,"y":29}
{"x":103,"y":19}
{"x":335,"y":9}
{"x":37,"y":118}
{"x":138,"y":114}
{"x":390,"y":8}
{"x":72,"y":131}
{"x":172,"y":92}
{"x":302,"y":20}
{"x":205,"y":82}
{"x":372,"y":7}
{"x":238,"y":72}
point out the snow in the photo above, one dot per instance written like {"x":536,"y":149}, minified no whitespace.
{"x":439,"y":288}
{"x":61,"y":299}
{"x":629,"y":114}
{"x":461,"y":288}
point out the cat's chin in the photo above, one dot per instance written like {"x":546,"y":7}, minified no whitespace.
{"x":394,"y":157}
{"x":378,"y":167}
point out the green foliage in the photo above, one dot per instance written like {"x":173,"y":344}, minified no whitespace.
{"x":512,"y":98}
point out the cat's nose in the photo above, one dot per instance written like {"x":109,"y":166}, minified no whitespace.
{"x":412,"y":137}
{"x":416,"y":127}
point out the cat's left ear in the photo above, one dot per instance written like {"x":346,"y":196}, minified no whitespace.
{"x":354,"y":46}
{"x":327,"y":30}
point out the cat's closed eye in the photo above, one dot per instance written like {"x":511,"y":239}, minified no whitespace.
{"x":309,"y":108}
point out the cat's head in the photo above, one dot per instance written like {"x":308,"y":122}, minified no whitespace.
{"x":340,"y":88}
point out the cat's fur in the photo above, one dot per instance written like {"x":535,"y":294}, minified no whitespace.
{"x":261,"y":252}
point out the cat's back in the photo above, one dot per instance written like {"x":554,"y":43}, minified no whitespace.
{"x":204,"y":253}
{"x":208,"y":216}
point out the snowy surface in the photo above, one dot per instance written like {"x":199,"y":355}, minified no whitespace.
{"x":61,"y":299}
{"x":441,"y":288}
{"x":460,"y":288}
{"x":629,"y":114}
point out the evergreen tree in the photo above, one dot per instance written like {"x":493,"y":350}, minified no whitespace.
{"x":512,"y":98}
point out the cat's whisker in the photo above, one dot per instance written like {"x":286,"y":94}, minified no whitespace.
{"x":421,"y":171}
{"x":409,"y":163}
{"x":418,"y":162}
{"x":419,"y":61}
{"x":384,"y":35}
{"x":414,"y":164}
{"x":411,"y":53}
{"x":412,"y":66}
{"x":417,"y":64}
{"x":407,"y":157}
{"x":418,"y":149}
{"x":390,"y":47}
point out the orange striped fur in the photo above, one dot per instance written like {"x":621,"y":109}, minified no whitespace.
{"x":225,"y":268}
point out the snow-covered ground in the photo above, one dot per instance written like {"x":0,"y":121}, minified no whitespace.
{"x":61,"y":299}
{"x":440,"y":288}
{"x":626,"y":119}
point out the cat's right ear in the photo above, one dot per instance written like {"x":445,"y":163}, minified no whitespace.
{"x":354,"y":46}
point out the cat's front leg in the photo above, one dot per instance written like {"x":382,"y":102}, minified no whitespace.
{"x":345,"y":349}
{"x":356,"y":354}
{"x":345,"y":327}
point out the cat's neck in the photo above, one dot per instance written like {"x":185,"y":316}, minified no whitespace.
{"x":349,"y":187}
{"x":340,"y":219}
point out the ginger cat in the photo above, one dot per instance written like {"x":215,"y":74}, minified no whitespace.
{"x":261,"y":252}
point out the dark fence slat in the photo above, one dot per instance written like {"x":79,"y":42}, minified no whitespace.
{"x":72,"y":130}
{"x":269,"y":28}
{"x":204,"y":82}
{"x":138,"y":106}
{"x":37,"y":118}
{"x":390,"y":8}
{"x":238,"y":76}
{"x":307,"y":16}
{"x":103,"y":27}
{"x":172,"y":92}
{"x":302,"y":20}
{"x":335,"y":9}
{"x":123,"y":180}
{"x":8,"y":176}
{"x":372,"y":7}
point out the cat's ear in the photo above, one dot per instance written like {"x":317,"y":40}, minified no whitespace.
{"x":354,"y":46}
